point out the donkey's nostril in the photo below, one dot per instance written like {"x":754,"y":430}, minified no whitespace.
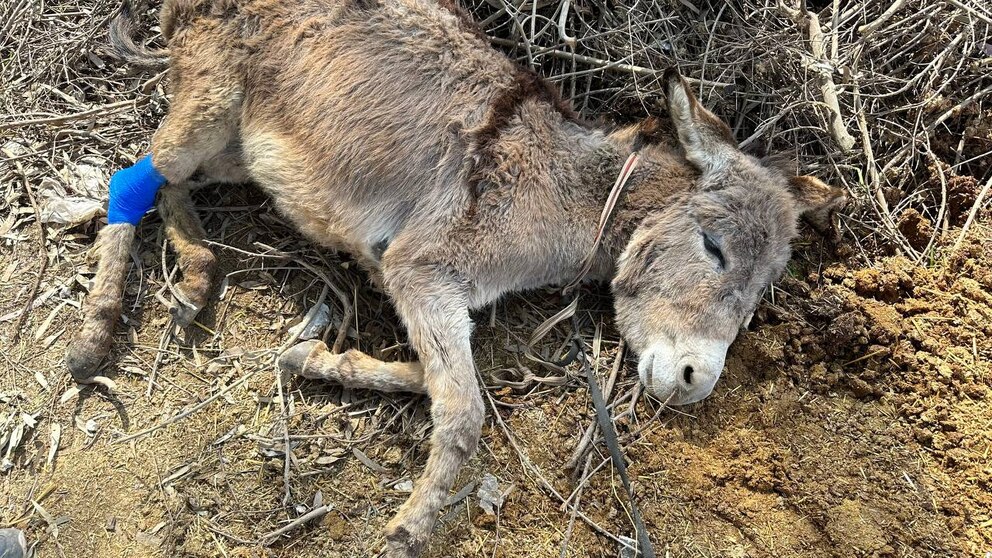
{"x":687,"y":374}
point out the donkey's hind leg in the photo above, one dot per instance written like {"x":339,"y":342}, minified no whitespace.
{"x":186,"y":234}
{"x":200,"y":124}
{"x":103,"y":304}
{"x":352,"y":369}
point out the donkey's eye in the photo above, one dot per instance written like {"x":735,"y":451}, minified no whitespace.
{"x":714,"y":250}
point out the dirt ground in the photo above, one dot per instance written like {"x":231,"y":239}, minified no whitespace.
{"x":853,"y":418}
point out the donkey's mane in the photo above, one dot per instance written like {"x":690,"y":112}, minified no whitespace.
{"x":527,"y":85}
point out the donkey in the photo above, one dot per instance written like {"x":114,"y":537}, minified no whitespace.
{"x":392,"y":130}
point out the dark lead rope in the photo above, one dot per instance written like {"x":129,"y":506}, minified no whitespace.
{"x":610,"y":435}
{"x":578,"y":351}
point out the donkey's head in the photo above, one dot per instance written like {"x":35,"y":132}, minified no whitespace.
{"x":694,"y":271}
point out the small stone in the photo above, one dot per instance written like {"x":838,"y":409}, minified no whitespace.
{"x":13,"y":544}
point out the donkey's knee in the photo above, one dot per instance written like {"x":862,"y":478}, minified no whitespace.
{"x":103,"y":305}
{"x":458,"y":419}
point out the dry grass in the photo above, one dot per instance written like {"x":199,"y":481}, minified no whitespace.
{"x":907,"y":85}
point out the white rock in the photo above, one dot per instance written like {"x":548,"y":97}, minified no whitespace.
{"x":490,"y":497}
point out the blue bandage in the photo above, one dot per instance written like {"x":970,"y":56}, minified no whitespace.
{"x":132,"y":192}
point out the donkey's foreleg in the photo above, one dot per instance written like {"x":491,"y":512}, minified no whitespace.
{"x":196,"y":261}
{"x":186,"y":235}
{"x":434,"y":308}
{"x":352,"y":369}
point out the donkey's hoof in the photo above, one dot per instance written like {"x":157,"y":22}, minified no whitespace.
{"x":183,"y":313}
{"x":294,"y":360}
{"x":82,"y":364}
{"x":401,"y":543}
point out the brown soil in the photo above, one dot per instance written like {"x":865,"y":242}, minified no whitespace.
{"x":853,"y":420}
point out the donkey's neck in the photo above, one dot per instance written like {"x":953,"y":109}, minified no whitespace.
{"x":598,"y":167}
{"x":568,"y":170}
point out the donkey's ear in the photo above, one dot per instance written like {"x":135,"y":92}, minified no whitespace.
{"x":650,"y":131}
{"x":816,"y":200}
{"x":708,"y":142}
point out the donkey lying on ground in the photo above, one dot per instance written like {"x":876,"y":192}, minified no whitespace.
{"x":393,"y":131}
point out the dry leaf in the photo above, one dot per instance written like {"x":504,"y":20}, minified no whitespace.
{"x":47,"y":517}
{"x":69,"y":394}
{"x":367,"y":461}
{"x":53,"y":443}
{"x":15,"y":439}
{"x":48,"y":341}
{"x":30,"y":420}
{"x":48,"y":321}
{"x":100,"y":380}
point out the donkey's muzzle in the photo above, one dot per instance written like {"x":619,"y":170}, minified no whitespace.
{"x":679,"y":373}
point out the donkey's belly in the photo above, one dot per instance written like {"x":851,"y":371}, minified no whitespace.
{"x":325,"y":207}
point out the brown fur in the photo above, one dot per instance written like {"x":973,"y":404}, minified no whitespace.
{"x":103,"y":307}
{"x":527,"y":86}
{"x":397,"y":134}
{"x":464,"y":17}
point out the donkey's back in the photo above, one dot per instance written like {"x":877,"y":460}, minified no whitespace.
{"x":354,"y":118}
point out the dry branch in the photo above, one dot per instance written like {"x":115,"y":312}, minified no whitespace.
{"x":315,"y":513}
{"x":869,"y":28}
{"x":42,"y":251}
{"x":821,"y":66}
{"x":91,"y":113}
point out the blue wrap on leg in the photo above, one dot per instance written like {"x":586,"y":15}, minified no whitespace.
{"x":132,"y":192}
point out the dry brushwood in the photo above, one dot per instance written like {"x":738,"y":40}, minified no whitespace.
{"x":873,"y":90}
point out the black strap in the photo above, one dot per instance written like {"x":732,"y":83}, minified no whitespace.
{"x":610,"y":435}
